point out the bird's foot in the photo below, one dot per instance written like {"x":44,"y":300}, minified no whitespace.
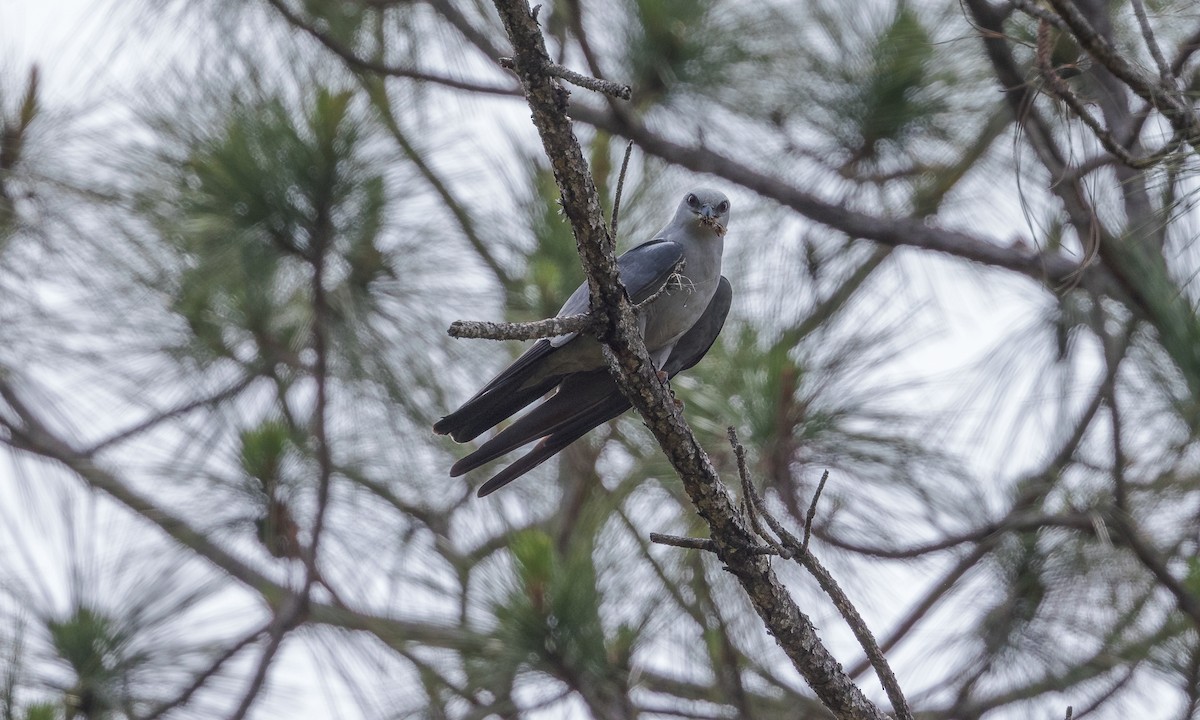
{"x":662,"y":375}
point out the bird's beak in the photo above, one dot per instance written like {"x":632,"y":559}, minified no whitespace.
{"x":708,"y":212}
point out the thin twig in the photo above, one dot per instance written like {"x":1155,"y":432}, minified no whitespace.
{"x":750,"y":497}
{"x":812,"y":509}
{"x":1185,"y":50}
{"x":607,"y":87}
{"x":152,"y":421}
{"x":287,"y":619}
{"x":794,"y":549}
{"x":379,"y":96}
{"x":183,"y":697}
{"x":705,"y":544}
{"x":1166,"y":99}
{"x":360,"y":63}
{"x":1164,"y":70}
{"x":1113,"y":351}
{"x":1169,"y":148}
{"x":551,"y":327}
{"x":1013,"y":523}
{"x":322,"y":238}
{"x":687,"y":543}
{"x":1032,"y":8}
{"x":755,"y":504}
{"x":1063,"y":92}
{"x":673,"y":280}
{"x":616,"y":213}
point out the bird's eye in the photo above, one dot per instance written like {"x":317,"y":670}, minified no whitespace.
{"x":723,"y":207}
{"x":692,"y":200}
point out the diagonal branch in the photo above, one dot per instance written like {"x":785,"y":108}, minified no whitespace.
{"x":891,"y":231}
{"x":360,"y":63}
{"x":379,"y":97}
{"x":198,"y":682}
{"x":795,"y":549}
{"x":635,"y":375}
{"x":35,"y":437}
{"x":1168,"y":101}
{"x":158,"y":418}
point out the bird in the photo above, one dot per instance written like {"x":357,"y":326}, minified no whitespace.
{"x":679,"y":325}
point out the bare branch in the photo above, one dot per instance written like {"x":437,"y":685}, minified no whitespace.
{"x":1032,"y":8}
{"x":892,"y":231}
{"x":198,"y":682}
{"x":812,"y":509}
{"x":793,"y":549}
{"x":608,"y":87}
{"x":706,"y":544}
{"x":159,"y":418}
{"x":551,"y":327}
{"x":616,"y":211}
{"x":1164,"y":70}
{"x":1153,"y":560}
{"x":360,"y":63}
{"x":1063,"y":92}
{"x":1187,"y":48}
{"x":636,"y":375}
{"x":751,"y":501}
{"x":284,"y":621}
{"x":321,"y":241}
{"x":1167,"y":100}
{"x":461,"y":215}
{"x":37,"y":438}
{"x":605,"y":87}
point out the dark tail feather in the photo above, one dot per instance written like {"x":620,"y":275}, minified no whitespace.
{"x":585,"y":401}
{"x":578,"y":395}
{"x":500,"y":398}
{"x":487,"y":409}
{"x":564,"y":433}
{"x":540,"y":453}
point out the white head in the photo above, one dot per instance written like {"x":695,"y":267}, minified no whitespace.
{"x":706,"y":208}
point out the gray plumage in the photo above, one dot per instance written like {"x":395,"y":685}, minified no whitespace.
{"x":678,"y":328}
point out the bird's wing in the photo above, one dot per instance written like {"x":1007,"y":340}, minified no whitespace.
{"x":644,"y":269}
{"x":581,"y":395}
{"x":697,"y":341}
{"x":585,"y":401}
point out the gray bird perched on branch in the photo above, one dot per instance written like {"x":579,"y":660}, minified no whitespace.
{"x":678,"y":326}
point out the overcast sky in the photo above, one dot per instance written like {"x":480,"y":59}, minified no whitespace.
{"x":87,"y":51}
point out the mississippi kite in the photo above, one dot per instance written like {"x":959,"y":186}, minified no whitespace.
{"x":679,"y":327}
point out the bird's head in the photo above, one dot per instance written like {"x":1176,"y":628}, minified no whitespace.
{"x":709,"y":208}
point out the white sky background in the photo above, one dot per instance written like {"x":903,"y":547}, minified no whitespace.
{"x":88,"y":57}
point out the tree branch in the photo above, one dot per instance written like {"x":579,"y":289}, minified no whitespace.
{"x":37,"y":439}
{"x":158,"y":418}
{"x":1167,"y":100}
{"x":360,"y":63}
{"x":891,"y":231}
{"x":635,"y":375}
{"x":551,"y":327}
